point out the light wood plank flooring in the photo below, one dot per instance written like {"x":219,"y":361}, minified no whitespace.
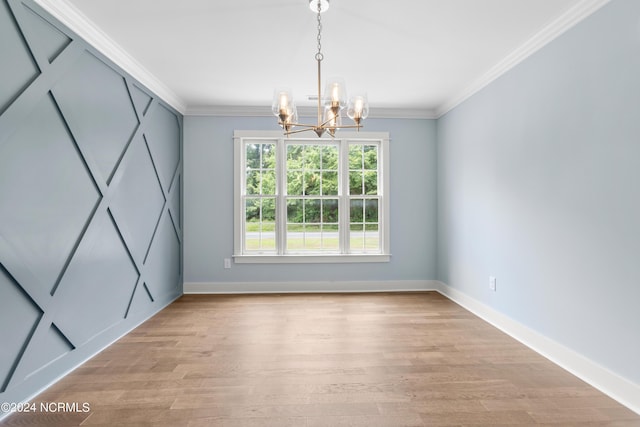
{"x":369,"y":360}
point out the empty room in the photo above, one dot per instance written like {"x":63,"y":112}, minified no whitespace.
{"x":319,"y":213}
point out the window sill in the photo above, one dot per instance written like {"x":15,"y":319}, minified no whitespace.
{"x":310,"y":259}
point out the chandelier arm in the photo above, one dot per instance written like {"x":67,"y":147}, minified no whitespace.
{"x":306,"y":129}
{"x":323,"y":124}
{"x":343,"y":127}
{"x":306,"y":125}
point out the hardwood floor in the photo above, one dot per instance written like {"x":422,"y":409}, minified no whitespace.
{"x":369,"y":360}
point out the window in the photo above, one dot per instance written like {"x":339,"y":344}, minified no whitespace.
{"x":303,"y":199}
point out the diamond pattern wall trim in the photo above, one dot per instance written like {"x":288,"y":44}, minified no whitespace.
{"x":90,"y":201}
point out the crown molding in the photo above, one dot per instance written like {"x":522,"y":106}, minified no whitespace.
{"x":265,"y":111}
{"x":554,"y":29}
{"x":77,"y":22}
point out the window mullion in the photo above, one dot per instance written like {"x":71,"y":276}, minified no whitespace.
{"x":281,"y":200}
{"x":343,"y":195}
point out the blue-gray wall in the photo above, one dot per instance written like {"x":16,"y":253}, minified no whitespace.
{"x":208,"y":207}
{"x":533,"y":180}
{"x":539,"y":186}
{"x":90,"y":201}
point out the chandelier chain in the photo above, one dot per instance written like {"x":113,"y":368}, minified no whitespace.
{"x":319,"y":55}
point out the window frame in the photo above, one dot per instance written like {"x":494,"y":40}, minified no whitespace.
{"x":342,"y":140}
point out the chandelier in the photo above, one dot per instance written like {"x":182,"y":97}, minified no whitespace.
{"x":334,"y":100}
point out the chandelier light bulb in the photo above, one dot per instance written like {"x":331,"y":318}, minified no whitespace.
{"x":282,"y":100}
{"x":358,"y":108}
{"x":335,"y":93}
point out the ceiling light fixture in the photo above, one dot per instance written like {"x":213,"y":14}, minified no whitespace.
{"x":335,"y":99}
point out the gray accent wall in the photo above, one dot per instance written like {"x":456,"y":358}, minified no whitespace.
{"x":539,"y":186}
{"x":90,"y":200}
{"x":208,"y":208}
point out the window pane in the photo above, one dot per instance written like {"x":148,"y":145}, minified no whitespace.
{"x":330,"y":238}
{"x":330,"y":158}
{"x":295,"y":212}
{"x":329,"y":183}
{"x":332,"y":229}
{"x":371,"y":183}
{"x":312,"y":211}
{"x":269,"y":182}
{"x":312,"y":183}
{"x":268,"y":156}
{"x":295,"y":237}
{"x":253,"y":182}
{"x":269,"y":227}
{"x":355,"y":182}
{"x":355,"y":157}
{"x":330,"y":210}
{"x":252,"y":241}
{"x":294,"y":156}
{"x":356,"y":214}
{"x":356,"y":237}
{"x":370,"y":153}
{"x":252,"y":209}
{"x":312,"y":157}
{"x":268,"y":237}
{"x":312,"y":237}
{"x":260,"y":224}
{"x":372,"y":238}
{"x":253,"y":156}
{"x":262,"y":240}
{"x":269,"y":210}
{"x":371,"y":210}
{"x":294,"y":183}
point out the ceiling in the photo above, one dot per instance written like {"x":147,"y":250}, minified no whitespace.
{"x":424,"y":56}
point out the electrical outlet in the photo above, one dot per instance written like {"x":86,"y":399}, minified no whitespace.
{"x":492,"y":283}
{"x":227,"y":263}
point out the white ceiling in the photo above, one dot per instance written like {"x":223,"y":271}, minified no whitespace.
{"x":412,"y":55}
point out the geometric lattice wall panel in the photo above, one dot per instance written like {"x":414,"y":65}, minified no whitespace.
{"x":90,"y":240}
{"x":101,"y":117}
{"x":141,"y":301}
{"x":140,"y":99}
{"x":49,"y":348}
{"x":47,"y":194}
{"x":138,"y":203}
{"x":163,"y":136}
{"x":97,"y":286}
{"x":18,"y":318}
{"x":14,"y":51}
{"x":174,"y":203}
{"x":163,"y":262}
{"x":46,"y":40}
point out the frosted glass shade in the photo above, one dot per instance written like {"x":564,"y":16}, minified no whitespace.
{"x":358,"y":108}
{"x":282,"y":102}
{"x":335,"y":93}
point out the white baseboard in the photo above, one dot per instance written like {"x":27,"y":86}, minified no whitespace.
{"x":613,"y":385}
{"x":310,"y":287}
